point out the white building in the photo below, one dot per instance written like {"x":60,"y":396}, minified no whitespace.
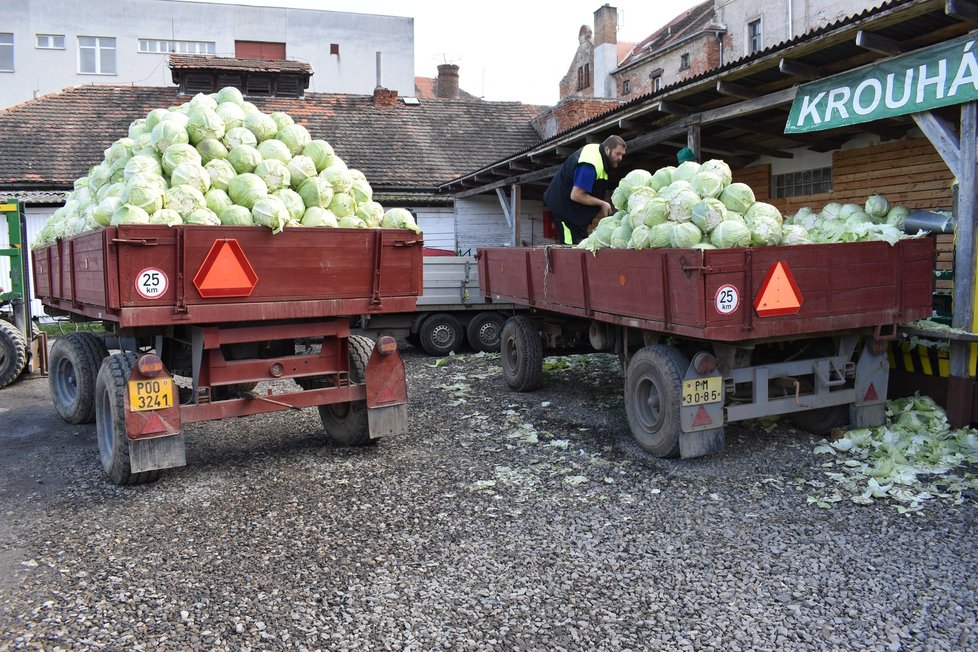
{"x":47,"y":45}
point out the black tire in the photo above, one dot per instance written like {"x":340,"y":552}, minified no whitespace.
{"x":821,"y":420}
{"x":522,"y":354}
{"x":13,"y":353}
{"x":441,"y":334}
{"x":653,"y":389}
{"x":110,"y":421}
{"x":346,"y":423}
{"x":73,"y":369}
{"x":485,"y":331}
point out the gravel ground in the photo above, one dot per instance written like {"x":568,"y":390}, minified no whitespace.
{"x":503,"y":521}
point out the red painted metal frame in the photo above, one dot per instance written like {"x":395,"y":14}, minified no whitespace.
{"x":846,"y":286}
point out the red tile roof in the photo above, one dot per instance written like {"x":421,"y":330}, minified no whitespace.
{"x":203,"y":62}
{"x":49,"y":142}
{"x":427,"y":87}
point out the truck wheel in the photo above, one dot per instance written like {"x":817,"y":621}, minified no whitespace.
{"x":522,"y":354}
{"x":13,"y":353}
{"x":821,"y":420}
{"x":110,"y":421}
{"x":346,"y":423}
{"x":485,"y":331}
{"x":74,"y":366}
{"x":440,"y":334}
{"x":653,"y":386}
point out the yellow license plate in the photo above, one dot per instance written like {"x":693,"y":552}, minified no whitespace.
{"x":150,"y":394}
{"x":701,"y":391}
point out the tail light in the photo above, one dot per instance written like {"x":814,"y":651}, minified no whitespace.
{"x":386,"y":344}
{"x":150,"y":365}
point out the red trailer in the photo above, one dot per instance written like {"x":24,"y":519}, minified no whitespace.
{"x":224,"y":308}
{"x":713,"y":336}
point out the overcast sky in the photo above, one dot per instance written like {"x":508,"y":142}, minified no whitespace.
{"x":506,"y":49}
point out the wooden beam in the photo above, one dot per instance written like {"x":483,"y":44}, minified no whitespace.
{"x":877,"y":43}
{"x":963,"y":9}
{"x":504,"y":204}
{"x":732,"y":89}
{"x":693,"y":140}
{"x":629,"y":125}
{"x":799,"y":69}
{"x":673,"y":108}
{"x":942,"y":137}
{"x":564,"y":152}
{"x":519,"y":166}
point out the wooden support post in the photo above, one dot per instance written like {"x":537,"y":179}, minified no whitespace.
{"x":960,"y":382}
{"x":516,"y":197}
{"x":693,"y":140}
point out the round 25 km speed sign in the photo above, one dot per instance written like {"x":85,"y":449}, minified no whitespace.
{"x":727,"y":299}
{"x":151,"y":283}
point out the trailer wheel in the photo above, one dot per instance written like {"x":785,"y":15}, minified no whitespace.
{"x":13,"y":353}
{"x":485,"y":331}
{"x":346,"y":423}
{"x":441,"y":334}
{"x":110,"y":421}
{"x":74,"y":366}
{"x":522,"y":354}
{"x":653,"y":387}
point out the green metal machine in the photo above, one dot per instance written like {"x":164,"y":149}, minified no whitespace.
{"x":16,"y":332}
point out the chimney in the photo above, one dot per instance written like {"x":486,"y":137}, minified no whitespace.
{"x":448,"y":81}
{"x":605,"y":50}
{"x":383,"y":96}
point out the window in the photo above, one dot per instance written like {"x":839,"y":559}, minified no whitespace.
{"x":626,"y":87}
{"x":51,"y":41}
{"x":684,"y":61}
{"x":153,"y":46}
{"x":584,"y":76}
{"x":334,"y":48}
{"x":754,"y":36}
{"x":96,"y":55}
{"x":6,"y":52}
{"x":656,"y":83}
{"x":806,"y":182}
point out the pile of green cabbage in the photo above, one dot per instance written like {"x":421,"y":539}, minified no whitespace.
{"x":699,"y":206}
{"x":875,"y":220}
{"x":218,"y":160}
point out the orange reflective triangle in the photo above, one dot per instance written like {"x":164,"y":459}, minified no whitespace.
{"x":702,"y":417}
{"x":779,"y":293}
{"x":225,"y":272}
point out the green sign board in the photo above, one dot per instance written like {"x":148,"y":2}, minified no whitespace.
{"x":940,"y":75}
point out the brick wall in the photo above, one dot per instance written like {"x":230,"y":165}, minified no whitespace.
{"x":704,"y":54}
{"x":570,"y":112}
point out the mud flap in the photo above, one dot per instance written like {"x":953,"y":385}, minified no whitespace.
{"x":868,"y":410}
{"x":701,"y":442}
{"x":157,"y":453}
{"x":387,"y":420}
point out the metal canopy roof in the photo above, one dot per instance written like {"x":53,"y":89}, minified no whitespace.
{"x":740,"y":108}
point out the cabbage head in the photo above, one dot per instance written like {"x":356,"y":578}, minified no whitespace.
{"x":239,"y":136}
{"x":270,"y":211}
{"x":655,"y":212}
{"x":210,"y":149}
{"x":281,"y":118}
{"x":707,"y":184}
{"x":399,"y":218}
{"x":674,"y":189}
{"x":635,"y":179}
{"x":217,"y":200}
{"x":99,"y":175}
{"x":178,"y":154}
{"x":877,"y":207}
{"x":168,"y":133}
{"x":184,"y":199}
{"x":236,"y":215}
{"x":166,"y":216}
{"x":293,"y":202}
{"x":274,"y":149}
{"x":370,"y":212}
{"x":232,"y":115}
{"x":244,"y":158}
{"x":702,"y":245}
{"x":805,"y":217}
{"x":662,"y":177}
{"x":155,"y":117}
{"x":638,"y":199}
{"x":301,"y":167}
{"x":321,"y":153}
{"x":684,"y":235}
{"x":338,"y":177}
{"x":848,"y":210}
{"x":140,"y":164}
{"x":275,"y":175}
{"x":361,"y":191}
{"x":146,"y":191}
{"x":660,"y":235}
{"x":221,"y":172}
{"x":795,"y":234}
{"x":201,"y":100}
{"x":190,"y":174}
{"x":640,"y":237}
{"x":204,"y":123}
{"x":897,"y":216}
{"x":261,"y":125}
{"x":111,"y":190}
{"x":762,"y":209}
{"x":350,"y":222}
{"x":342,"y":205}
{"x":604,"y":230}
{"x":129,"y":214}
{"x":105,"y":209}
{"x":707,"y":213}
{"x":765,"y":230}
{"x":720,"y":168}
{"x":730,"y":234}
{"x":295,"y":137}
{"x":886,"y":232}
{"x":681,"y":206}
{"x":246,"y":189}
{"x":229,"y":94}
{"x":621,"y":235}
{"x":316,"y":192}
{"x":204,"y":217}
{"x":316,"y":216}
{"x":737,"y":197}
{"x":137,"y":128}
{"x":120,"y":150}
{"x":686,"y":171}
{"x":831,"y":210}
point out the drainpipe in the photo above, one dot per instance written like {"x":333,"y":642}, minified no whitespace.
{"x":790,"y":23}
